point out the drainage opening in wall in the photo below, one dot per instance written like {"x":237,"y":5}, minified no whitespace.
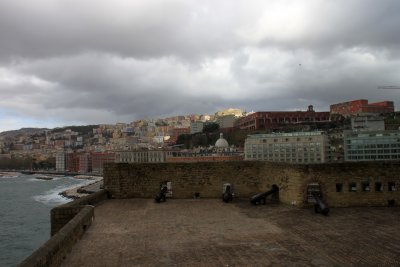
{"x":391,"y":203}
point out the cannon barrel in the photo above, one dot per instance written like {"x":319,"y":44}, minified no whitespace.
{"x":320,"y":205}
{"x":261,"y":197}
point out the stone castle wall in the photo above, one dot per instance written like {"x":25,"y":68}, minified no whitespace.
{"x":249,"y":177}
{"x":368,"y":173}
{"x":68,"y":224}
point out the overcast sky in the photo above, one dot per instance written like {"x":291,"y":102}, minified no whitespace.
{"x":74,"y":62}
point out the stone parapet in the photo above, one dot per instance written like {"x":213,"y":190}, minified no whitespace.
{"x":205,"y":179}
{"x":68,"y":223}
{"x":62,"y":214}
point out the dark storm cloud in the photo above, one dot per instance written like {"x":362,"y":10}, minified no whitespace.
{"x":128,"y":28}
{"x":121,"y":86}
{"x":107,"y":61}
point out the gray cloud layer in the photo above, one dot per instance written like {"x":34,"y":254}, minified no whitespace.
{"x":92,"y":62}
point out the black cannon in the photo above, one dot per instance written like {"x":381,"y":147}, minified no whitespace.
{"x":261,"y":198}
{"x":161,"y":194}
{"x":227,"y":194}
{"x":320,"y":206}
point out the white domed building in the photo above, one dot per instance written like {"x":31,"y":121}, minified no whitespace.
{"x":222,"y":145}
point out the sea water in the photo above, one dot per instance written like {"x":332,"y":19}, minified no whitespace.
{"x":25,"y":204}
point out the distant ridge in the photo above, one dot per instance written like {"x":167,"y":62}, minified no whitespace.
{"x":32,"y":131}
{"x":23,"y":131}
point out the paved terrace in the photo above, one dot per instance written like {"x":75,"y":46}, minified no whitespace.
{"x":208,"y":232}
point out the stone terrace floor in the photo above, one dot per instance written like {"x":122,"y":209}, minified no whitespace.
{"x":208,"y":232}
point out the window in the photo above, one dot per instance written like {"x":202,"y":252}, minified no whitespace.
{"x":352,"y":187}
{"x":365,"y":187}
{"x":378,"y":187}
{"x":391,"y":186}
{"x":339,"y":187}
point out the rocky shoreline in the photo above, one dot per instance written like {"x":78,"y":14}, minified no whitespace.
{"x":43,"y":177}
{"x":73,"y":193}
{"x":81,"y":191}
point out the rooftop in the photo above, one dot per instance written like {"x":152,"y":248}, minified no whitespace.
{"x":208,"y":232}
{"x":286,"y":134}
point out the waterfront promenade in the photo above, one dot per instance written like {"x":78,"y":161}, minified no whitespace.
{"x":208,"y":232}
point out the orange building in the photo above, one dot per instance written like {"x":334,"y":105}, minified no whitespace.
{"x":362,"y":106}
{"x":277,"y":119}
{"x":72,"y":162}
{"x":177,"y":132}
{"x":99,"y":158}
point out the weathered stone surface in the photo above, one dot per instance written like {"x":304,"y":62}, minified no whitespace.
{"x":207,"y":178}
{"x":209,"y":232}
{"x":68,"y":223}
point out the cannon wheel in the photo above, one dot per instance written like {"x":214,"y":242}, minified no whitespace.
{"x":317,"y":209}
{"x":325,"y":212}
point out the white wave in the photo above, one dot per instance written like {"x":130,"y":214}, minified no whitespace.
{"x":9,"y":175}
{"x":57,"y":178}
{"x":53,"y":178}
{"x":33,"y":179}
{"x":52,"y":197}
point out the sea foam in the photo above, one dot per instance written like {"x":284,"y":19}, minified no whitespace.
{"x":52,"y":197}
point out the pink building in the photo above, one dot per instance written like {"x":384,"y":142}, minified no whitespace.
{"x":99,"y":159}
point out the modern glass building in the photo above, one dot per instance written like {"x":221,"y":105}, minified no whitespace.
{"x":373,"y":145}
{"x":297,"y":147}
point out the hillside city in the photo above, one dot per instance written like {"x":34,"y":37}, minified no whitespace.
{"x":355,"y":130}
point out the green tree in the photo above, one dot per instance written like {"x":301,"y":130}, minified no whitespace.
{"x":210,"y":127}
{"x":185,"y":140}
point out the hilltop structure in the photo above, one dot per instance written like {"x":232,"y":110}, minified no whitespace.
{"x":270,"y":120}
{"x":361,"y":106}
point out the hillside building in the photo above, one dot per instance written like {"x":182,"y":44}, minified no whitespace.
{"x":176,"y":132}
{"x":196,"y":127}
{"x":362,"y":106}
{"x":264,"y":120}
{"x":367,"y":123}
{"x":85,"y":163}
{"x":60,"y":161}
{"x":297,"y":147}
{"x":230,"y":111}
{"x":99,"y":159}
{"x":371,"y":146}
{"x":140,"y":156}
{"x":226,"y":121}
